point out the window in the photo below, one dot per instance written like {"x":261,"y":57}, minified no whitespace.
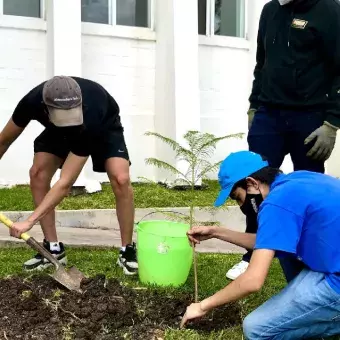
{"x":95,"y":11}
{"x":26,"y":8}
{"x":222,"y":17}
{"x":117,"y":12}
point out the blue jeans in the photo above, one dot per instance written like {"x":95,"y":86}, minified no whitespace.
{"x":277,"y":133}
{"x":291,"y":267}
{"x":306,"y":308}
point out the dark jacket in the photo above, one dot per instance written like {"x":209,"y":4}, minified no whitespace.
{"x":298,"y":58}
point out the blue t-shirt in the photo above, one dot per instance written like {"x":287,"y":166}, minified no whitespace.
{"x":301,"y":217}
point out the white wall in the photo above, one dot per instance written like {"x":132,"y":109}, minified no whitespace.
{"x":224,"y":92}
{"x":126,"y":68}
{"x":22,"y":66}
{"x":225,"y":86}
{"x":122,"y":59}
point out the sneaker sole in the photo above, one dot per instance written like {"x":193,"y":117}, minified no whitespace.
{"x":125,"y":270}
{"x":44,"y":266}
{"x":231,"y":277}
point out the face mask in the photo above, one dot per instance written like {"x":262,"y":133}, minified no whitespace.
{"x":251,"y":204}
{"x":285,"y":2}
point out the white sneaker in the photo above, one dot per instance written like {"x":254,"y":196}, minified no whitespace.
{"x":237,"y":270}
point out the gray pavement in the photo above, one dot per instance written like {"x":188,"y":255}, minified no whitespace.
{"x":99,"y":228}
{"x":106,"y":238}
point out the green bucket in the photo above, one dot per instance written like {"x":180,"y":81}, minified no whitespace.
{"x":164,"y":252}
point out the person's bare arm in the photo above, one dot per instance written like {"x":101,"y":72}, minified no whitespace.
{"x":200,"y":233}
{"x":250,"y":282}
{"x":8,"y":135}
{"x":69,"y":174}
{"x":244,"y":240}
{"x":70,"y":171}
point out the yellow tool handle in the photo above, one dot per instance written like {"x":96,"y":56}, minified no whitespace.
{"x":7,"y":222}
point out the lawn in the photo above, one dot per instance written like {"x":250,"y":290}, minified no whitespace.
{"x":146,"y":196}
{"x":211,"y":269}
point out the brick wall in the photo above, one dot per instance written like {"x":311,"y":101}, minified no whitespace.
{"x":224,"y":91}
{"x":22,"y":66}
{"x":225,"y":85}
{"x":126,"y":68}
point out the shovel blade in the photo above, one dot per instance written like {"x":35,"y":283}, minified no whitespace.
{"x":71,"y":280}
{"x":76,"y":274}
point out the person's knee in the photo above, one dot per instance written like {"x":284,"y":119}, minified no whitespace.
{"x":252,"y":327}
{"x":39,"y":177}
{"x":120,"y":182}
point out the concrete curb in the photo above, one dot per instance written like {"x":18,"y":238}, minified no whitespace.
{"x":100,"y":229}
{"x":105,"y":219}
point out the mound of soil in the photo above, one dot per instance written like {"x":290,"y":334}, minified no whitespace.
{"x":38,"y":308}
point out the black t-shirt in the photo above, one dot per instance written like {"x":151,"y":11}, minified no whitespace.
{"x":101,"y":114}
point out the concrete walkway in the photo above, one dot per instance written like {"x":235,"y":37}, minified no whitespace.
{"x":100,"y":228}
{"x":106,"y":238}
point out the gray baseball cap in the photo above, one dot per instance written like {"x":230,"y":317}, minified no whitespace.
{"x":63,"y":98}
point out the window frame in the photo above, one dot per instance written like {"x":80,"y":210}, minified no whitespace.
{"x":210,"y":21}
{"x":42,"y":11}
{"x":112,"y":15}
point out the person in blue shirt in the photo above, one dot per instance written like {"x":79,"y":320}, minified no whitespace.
{"x":299,"y":217}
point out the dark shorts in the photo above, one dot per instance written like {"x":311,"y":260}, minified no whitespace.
{"x":102,"y":148}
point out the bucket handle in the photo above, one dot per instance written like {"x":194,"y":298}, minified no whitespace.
{"x":160,"y":211}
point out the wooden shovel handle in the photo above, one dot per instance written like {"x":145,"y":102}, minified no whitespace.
{"x":8,"y":223}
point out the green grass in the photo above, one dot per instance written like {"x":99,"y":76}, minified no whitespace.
{"x":19,"y":198}
{"x":211,"y":275}
{"x":211,"y":270}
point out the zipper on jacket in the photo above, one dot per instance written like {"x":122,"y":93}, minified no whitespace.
{"x":276,"y":28}
{"x":290,"y":26}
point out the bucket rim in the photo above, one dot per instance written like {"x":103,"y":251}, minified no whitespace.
{"x":162,"y":221}
{"x":140,"y":230}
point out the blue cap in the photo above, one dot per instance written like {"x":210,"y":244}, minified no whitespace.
{"x":237,"y":166}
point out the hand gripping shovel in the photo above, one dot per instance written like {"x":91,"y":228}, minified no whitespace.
{"x":71,"y":279}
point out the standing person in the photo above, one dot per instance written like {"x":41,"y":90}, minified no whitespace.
{"x":299,"y":218}
{"x":81,"y":119}
{"x":295,"y":100}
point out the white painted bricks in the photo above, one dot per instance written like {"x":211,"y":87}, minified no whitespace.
{"x":126,"y":62}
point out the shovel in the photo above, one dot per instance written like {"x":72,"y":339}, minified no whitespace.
{"x":70,"y":279}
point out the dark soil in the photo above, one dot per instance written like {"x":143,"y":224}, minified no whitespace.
{"x":38,"y":308}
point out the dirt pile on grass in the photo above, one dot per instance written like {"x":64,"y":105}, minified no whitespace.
{"x":38,"y":308}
